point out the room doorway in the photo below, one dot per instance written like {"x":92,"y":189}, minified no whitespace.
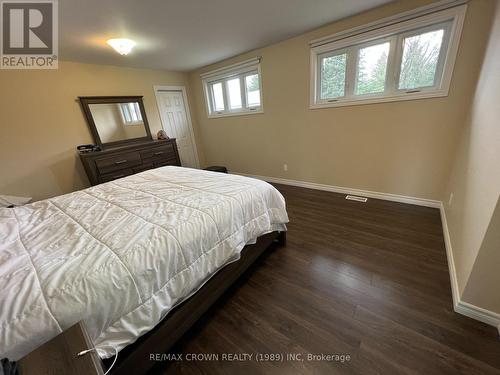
{"x":176,"y":121}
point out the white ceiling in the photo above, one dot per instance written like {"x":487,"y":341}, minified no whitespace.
{"x":186,"y":34}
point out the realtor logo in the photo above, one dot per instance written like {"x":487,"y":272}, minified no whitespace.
{"x":29,"y":34}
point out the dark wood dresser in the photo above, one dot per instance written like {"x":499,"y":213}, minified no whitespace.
{"x":111,"y":164}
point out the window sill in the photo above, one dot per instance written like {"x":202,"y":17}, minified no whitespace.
{"x":230,"y":114}
{"x":385,"y":99}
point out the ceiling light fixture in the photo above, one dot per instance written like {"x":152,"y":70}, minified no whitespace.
{"x":122,"y":46}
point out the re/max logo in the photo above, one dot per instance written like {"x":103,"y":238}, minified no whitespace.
{"x":164,"y":357}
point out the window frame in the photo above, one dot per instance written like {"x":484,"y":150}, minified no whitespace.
{"x":450,"y":19}
{"x":223,"y":75}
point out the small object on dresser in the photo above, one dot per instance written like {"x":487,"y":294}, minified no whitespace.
{"x":161,"y":135}
{"x":88,"y":148}
{"x":216,"y":168}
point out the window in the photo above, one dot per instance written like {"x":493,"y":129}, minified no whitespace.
{"x":420,"y":59}
{"x":131,"y":113}
{"x":234,"y":93}
{"x":371,"y":69}
{"x":252,"y":87}
{"x":234,"y":90}
{"x":333,"y":75}
{"x":217,"y":96}
{"x":411,"y":58}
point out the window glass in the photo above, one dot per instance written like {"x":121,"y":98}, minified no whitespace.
{"x":253,"y":90}
{"x":420,"y":60}
{"x":218,"y":96}
{"x":234,"y":90}
{"x":333,"y":69}
{"x":372,"y":69}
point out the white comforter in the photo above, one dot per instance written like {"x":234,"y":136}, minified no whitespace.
{"x":121,"y":255}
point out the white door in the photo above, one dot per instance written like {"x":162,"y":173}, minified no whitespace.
{"x":176,"y":124}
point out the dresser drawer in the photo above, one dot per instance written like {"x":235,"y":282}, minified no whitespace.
{"x":119,"y":162}
{"x":158,"y":153}
{"x":116,"y":175}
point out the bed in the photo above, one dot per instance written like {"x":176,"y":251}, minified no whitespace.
{"x":123,"y":256}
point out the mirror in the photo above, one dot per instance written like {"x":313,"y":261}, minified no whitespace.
{"x":115,"y":120}
{"x":118,"y":121}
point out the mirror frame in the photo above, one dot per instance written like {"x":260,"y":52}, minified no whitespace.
{"x":85,"y":102}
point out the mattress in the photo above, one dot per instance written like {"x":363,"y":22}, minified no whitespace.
{"x":121,"y":255}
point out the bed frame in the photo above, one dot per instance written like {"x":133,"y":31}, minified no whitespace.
{"x":135,"y":358}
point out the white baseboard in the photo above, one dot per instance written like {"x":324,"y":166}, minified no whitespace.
{"x":455,"y":291}
{"x":486,"y":316}
{"x":351,"y":191}
{"x":461,"y":307}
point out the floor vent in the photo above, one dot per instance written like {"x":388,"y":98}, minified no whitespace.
{"x":355,"y":198}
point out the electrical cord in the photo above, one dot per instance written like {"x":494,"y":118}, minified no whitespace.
{"x":83,"y":352}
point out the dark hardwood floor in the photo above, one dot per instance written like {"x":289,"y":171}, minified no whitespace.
{"x":368,"y":280}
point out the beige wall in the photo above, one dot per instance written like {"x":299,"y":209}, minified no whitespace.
{"x":400,"y":148}
{"x":474,"y":214}
{"x":482,"y":284}
{"x":41,"y":123}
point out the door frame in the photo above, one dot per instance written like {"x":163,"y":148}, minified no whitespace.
{"x":158,"y":89}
